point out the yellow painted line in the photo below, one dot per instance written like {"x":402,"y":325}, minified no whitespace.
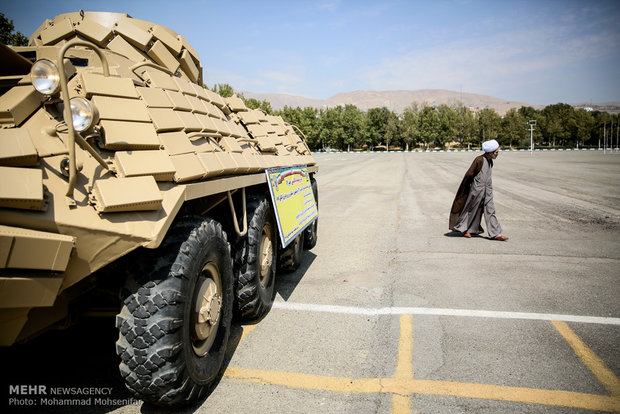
{"x":404,"y":368}
{"x":412,"y":386}
{"x":247,"y":329}
{"x":589,"y":358}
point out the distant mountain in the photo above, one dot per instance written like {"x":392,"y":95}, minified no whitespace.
{"x":397,"y":101}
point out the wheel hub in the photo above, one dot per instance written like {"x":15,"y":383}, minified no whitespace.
{"x":266,"y":254}
{"x":207,"y":309}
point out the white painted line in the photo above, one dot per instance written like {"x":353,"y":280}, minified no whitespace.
{"x":352,"y":310}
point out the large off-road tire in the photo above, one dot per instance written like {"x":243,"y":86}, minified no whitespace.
{"x":289,"y":258}
{"x":176,"y":315}
{"x":311,"y":233}
{"x":254,"y":265}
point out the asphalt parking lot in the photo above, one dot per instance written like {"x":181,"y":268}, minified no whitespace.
{"x":392,"y":313}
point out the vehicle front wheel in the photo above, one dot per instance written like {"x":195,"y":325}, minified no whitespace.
{"x":176,"y":315}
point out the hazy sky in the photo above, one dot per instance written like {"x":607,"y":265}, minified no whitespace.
{"x":537,"y":52}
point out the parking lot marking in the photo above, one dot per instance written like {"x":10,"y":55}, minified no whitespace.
{"x":404,"y":367}
{"x":403,"y":385}
{"x":428,"y":387}
{"x":352,"y":310}
{"x":589,"y":358}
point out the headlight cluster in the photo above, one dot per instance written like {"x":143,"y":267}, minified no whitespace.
{"x":46,"y":79}
{"x":45,"y":76}
{"x":82,"y":113}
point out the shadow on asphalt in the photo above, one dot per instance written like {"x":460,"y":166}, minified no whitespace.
{"x":286,"y":283}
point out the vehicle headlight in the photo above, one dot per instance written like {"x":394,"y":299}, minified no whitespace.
{"x":45,"y":76}
{"x":83,"y":114}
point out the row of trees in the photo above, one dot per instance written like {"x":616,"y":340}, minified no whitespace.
{"x":443,"y":126}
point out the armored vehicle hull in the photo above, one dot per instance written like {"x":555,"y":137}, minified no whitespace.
{"x":121,"y":172}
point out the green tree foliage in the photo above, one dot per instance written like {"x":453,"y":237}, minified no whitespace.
{"x":6,"y":33}
{"x":409,"y":126}
{"x":264,"y":105}
{"x":376,"y":126}
{"x":514,"y":132}
{"x":353,"y":126}
{"x":429,"y":126}
{"x":348,"y":127}
{"x":556,"y":123}
{"x":489,"y":124}
{"x":224,"y":90}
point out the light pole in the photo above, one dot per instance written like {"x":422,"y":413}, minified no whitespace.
{"x":531,"y":123}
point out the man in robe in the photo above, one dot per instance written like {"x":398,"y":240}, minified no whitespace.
{"x":475,"y":197}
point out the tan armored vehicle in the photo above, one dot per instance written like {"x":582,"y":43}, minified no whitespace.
{"x":120,"y":173}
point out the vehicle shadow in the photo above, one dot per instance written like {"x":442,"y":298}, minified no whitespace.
{"x":68,"y":371}
{"x":286,"y":283}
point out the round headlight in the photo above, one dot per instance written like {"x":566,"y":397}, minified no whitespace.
{"x":45,"y":76}
{"x":82,"y":113}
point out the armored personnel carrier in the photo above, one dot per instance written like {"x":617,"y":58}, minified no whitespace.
{"x":126,"y":186}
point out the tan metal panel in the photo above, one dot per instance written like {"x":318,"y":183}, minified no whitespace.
{"x":257,"y":130}
{"x":271,"y":129}
{"x":266,"y":144}
{"x":262,"y":117}
{"x":58,"y":31}
{"x":190,"y":121}
{"x":229,"y":165}
{"x":215,"y":99}
{"x":189,"y":48}
{"x":202,"y":144}
{"x":121,"y":109}
{"x":154,"y":97}
{"x":169,"y":40}
{"x":213,"y":110}
{"x":52,"y":250}
{"x":165,"y":119}
{"x":151,"y":162}
{"x":96,"y":84}
{"x":252,"y":162}
{"x":21,"y":188}
{"x":188,"y":66}
{"x":198,"y":105}
{"x":133,"y":33}
{"x":188,"y":167}
{"x":121,"y":135}
{"x":159,"y":79}
{"x":30,"y":292}
{"x":207,"y":123}
{"x":230,"y":144}
{"x":18,"y":104}
{"x":120,"y":45}
{"x":235,"y":130}
{"x":96,"y":33}
{"x":211,"y":164}
{"x":248,"y":117}
{"x":222,"y":126}
{"x":126,"y":194}
{"x":16,"y":148}
{"x":236,"y":104}
{"x":176,"y":143}
{"x":179,"y":102}
{"x":162,"y":56}
{"x":185,"y":86}
{"x":239,"y":159}
{"x":275,"y":138}
{"x":200,"y":92}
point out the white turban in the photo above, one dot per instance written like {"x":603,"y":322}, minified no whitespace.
{"x":490,"y":146}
